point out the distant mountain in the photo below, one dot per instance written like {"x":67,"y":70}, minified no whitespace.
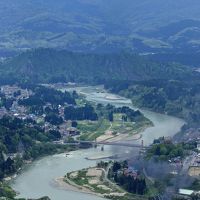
{"x":48,"y":65}
{"x":100,"y":25}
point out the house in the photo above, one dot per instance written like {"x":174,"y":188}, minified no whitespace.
{"x":198,"y":146}
{"x":194,"y":171}
{"x":130,"y":171}
{"x":73,"y":131}
{"x":185,"y":192}
{"x":163,"y":140}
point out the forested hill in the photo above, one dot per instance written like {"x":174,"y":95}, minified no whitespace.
{"x":49,"y":65}
{"x":100,"y":25}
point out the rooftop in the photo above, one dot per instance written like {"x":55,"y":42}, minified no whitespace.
{"x":186,"y":192}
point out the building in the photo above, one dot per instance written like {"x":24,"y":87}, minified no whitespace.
{"x":185,"y":192}
{"x":198,"y":146}
{"x":194,"y":171}
{"x":73,"y":131}
{"x":131,"y":172}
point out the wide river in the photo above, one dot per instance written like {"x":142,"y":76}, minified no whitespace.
{"x":38,"y":178}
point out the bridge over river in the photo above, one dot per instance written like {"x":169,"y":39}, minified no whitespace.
{"x":43,"y":172}
{"x":95,"y":143}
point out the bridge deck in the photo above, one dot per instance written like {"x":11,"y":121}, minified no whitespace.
{"x":109,"y":144}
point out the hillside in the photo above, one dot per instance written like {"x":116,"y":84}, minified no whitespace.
{"x":100,"y":25}
{"x":49,"y":65}
{"x":163,"y":87}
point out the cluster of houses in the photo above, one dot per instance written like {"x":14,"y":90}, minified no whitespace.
{"x":194,"y":168}
{"x":163,"y":140}
{"x":129,"y":172}
{"x":186,"y":194}
{"x":16,"y":93}
{"x":10,"y":91}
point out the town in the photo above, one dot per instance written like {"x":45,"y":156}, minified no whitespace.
{"x":11,"y":96}
{"x":55,"y":112}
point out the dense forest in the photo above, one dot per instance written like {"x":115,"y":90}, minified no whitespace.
{"x":48,"y":65}
{"x":164,"y":150}
{"x":100,"y":25}
{"x":46,"y":95}
{"x":86,"y":112}
{"x":174,"y":97}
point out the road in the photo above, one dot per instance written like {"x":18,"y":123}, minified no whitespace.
{"x":111,"y":184}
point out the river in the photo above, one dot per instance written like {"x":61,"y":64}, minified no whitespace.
{"x":38,"y":178}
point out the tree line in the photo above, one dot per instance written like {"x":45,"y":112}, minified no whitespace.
{"x":86,"y":112}
{"x":135,"y":185}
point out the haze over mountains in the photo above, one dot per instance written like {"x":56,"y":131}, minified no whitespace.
{"x":100,"y":25}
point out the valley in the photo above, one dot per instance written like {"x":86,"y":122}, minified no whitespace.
{"x":163,"y":126}
{"x":99,"y":100}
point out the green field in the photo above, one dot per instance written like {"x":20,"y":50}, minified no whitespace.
{"x":129,"y":127}
{"x":90,"y":130}
{"x":83,"y":180}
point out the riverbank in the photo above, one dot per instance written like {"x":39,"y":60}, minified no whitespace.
{"x":115,"y":130}
{"x":94,"y":181}
{"x":43,"y":172}
{"x":91,"y":181}
{"x":60,"y":183}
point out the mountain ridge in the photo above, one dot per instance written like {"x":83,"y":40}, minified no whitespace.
{"x":99,"y":26}
{"x":46,"y":65}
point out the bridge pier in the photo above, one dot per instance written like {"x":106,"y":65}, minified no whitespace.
{"x":142,"y":148}
{"x":102,"y":148}
{"x":95,"y":143}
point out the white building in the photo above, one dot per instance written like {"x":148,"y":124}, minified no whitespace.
{"x":185,"y":192}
